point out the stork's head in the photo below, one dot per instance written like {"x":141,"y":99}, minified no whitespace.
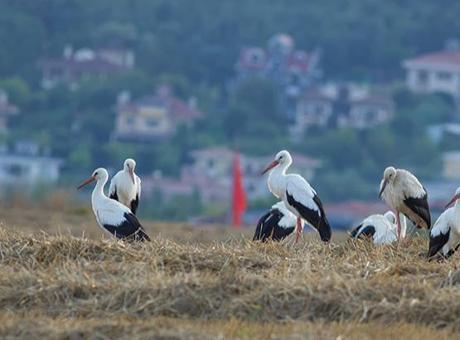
{"x":390,"y":216}
{"x":388,"y":176}
{"x":100,"y":174}
{"x":282,"y":158}
{"x":129,"y":166}
{"x":454,"y":198}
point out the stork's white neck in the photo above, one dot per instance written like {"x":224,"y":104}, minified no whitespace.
{"x":98,"y":191}
{"x":276,"y":180}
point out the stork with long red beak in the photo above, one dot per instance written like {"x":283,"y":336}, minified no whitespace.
{"x":112,"y":216}
{"x":403,"y":192}
{"x":445,"y":234}
{"x":298,"y":196}
{"x":125,"y":186}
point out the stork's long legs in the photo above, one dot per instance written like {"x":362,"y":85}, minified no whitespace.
{"x":398,"y":221}
{"x":298,"y":229}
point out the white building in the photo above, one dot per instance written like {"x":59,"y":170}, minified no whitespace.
{"x":451,"y":165}
{"x":25,"y":170}
{"x":342,"y":105}
{"x":434,"y":72}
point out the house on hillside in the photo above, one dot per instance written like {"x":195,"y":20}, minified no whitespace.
{"x":342,"y":105}
{"x":6,"y":111}
{"x":435,"y":72}
{"x":153,"y":117}
{"x":210,"y":175}
{"x":26,"y":166}
{"x":291,"y":70}
{"x":451,"y":165}
{"x":72,"y":66}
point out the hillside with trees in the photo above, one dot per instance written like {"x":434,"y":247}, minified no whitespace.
{"x":192,"y":46}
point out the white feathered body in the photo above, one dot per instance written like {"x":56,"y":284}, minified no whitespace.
{"x":384,"y":226}
{"x":448,"y":223}
{"x":280,"y":184}
{"x":289,"y":219}
{"x":405,"y":185}
{"x":126,"y":190}
{"x":106,"y":210}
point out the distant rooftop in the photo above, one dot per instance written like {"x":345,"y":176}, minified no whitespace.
{"x":441,"y":57}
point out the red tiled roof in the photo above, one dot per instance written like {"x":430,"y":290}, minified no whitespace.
{"x":299,"y":60}
{"x":247,"y":60}
{"x":443,"y":57}
{"x":8,"y":109}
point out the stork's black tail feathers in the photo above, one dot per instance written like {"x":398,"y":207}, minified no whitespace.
{"x":324,"y":229}
{"x":141,"y":236}
{"x":437,"y":242}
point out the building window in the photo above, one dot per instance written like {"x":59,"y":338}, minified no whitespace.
{"x":211,"y":163}
{"x":255,"y":58}
{"x":444,"y":76}
{"x":130,"y":121}
{"x":15,"y":170}
{"x":422,"y":77}
{"x":152,"y":122}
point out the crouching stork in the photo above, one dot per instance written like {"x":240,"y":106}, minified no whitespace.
{"x":381,"y":229}
{"x":276,"y":224}
{"x":112,"y":216}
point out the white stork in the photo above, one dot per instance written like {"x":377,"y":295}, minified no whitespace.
{"x":381,"y":229}
{"x":403,"y":192}
{"x":445,"y":234}
{"x":298,"y":196}
{"x":277,"y":224}
{"x":125,"y":186}
{"x":111,"y":215}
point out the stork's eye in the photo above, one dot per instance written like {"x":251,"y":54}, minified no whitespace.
{"x":95,"y":174}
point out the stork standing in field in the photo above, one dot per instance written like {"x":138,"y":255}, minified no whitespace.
{"x":125,"y":186}
{"x":445,"y":234}
{"x":403,"y":192}
{"x":276,"y":224}
{"x":380,"y":228}
{"x":112,"y":216}
{"x":298,"y":196}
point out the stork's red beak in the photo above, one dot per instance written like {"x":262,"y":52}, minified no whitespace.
{"x":452,"y":201}
{"x":89,"y":180}
{"x":131,"y":174}
{"x":270,"y":166}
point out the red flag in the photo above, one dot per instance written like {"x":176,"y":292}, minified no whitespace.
{"x":239,"y":195}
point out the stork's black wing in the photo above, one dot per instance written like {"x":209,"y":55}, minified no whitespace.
{"x":266,"y":225}
{"x":316,"y":218}
{"x":114,"y":195}
{"x":420,"y":207}
{"x":135,"y":204}
{"x":437,"y":242}
{"x":130,"y":229}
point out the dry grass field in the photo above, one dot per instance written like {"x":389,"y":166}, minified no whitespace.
{"x":68,"y":282}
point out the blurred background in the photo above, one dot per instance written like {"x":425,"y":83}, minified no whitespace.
{"x":349,"y":87}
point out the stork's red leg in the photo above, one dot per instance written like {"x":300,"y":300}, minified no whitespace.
{"x":398,"y":221}
{"x":298,"y":230}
